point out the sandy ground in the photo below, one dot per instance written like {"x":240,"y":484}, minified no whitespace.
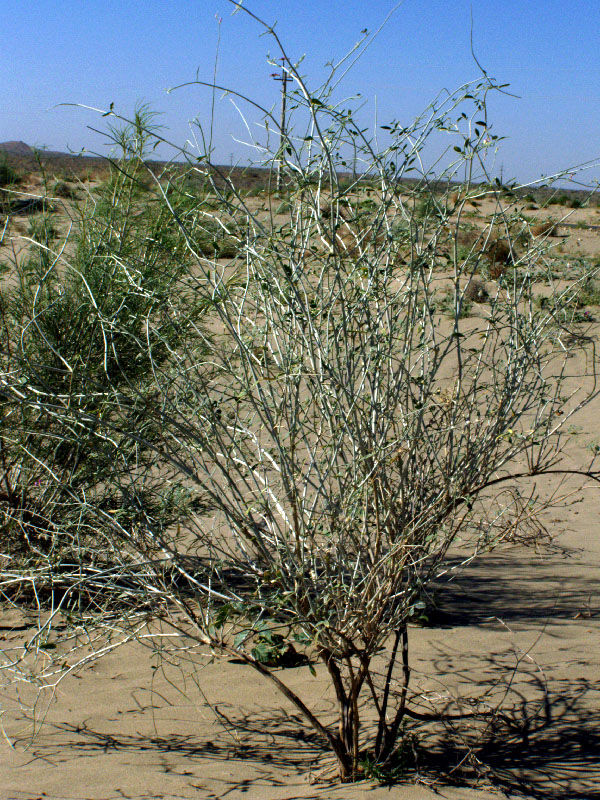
{"x":517,"y":626}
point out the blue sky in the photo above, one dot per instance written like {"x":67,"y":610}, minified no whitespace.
{"x":121,"y":51}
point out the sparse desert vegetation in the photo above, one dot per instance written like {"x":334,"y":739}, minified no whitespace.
{"x":265,"y":428}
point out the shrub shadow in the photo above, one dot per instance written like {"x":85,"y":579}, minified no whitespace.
{"x":503,"y":587}
{"x":547,"y":749}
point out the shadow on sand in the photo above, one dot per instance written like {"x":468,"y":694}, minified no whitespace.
{"x":547,"y":748}
{"x":504,"y":587}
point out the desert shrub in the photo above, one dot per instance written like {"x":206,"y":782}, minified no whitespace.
{"x":8,"y":175}
{"x":28,"y":205}
{"x":558,"y":200}
{"x":453,"y":306}
{"x":84,"y":318}
{"x":42,"y":228}
{"x":589,"y":295}
{"x":426,"y":208}
{"x":280,"y":454}
{"x":64,"y":190}
{"x":569,"y":305}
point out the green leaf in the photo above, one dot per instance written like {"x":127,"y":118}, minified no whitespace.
{"x":262,"y":652}
{"x":302,"y":638}
{"x":223,"y":615}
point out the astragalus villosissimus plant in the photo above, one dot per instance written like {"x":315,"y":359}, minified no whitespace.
{"x":289,"y":455}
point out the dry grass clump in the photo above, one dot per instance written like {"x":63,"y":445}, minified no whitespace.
{"x":497,"y":269}
{"x":454,"y":198}
{"x":329,"y":209}
{"x":348,"y":231}
{"x":545,"y":229}
{"x":476,"y":292}
{"x":467,"y":238}
{"x":499,"y":256}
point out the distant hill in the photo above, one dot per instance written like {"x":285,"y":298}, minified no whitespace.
{"x":16,"y":148}
{"x":29,"y":160}
{"x":23,"y":149}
